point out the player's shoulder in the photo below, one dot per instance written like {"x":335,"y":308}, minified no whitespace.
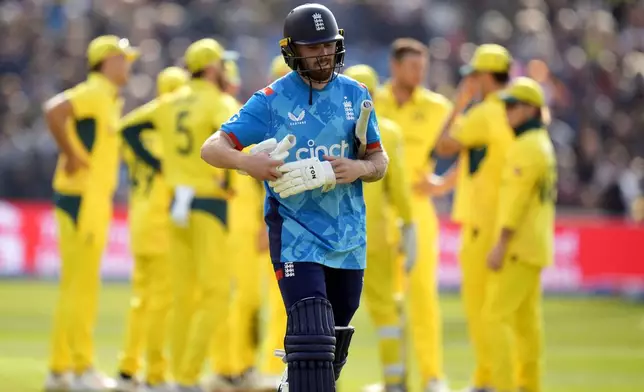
{"x":534,"y":145}
{"x":433,"y":98}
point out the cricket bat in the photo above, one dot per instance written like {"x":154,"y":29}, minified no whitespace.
{"x":366,"y":107}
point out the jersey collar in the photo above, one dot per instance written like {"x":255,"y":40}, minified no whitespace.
{"x":103,"y":83}
{"x":533,"y":124}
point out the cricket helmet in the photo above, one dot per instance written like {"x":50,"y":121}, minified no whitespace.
{"x":310,"y":24}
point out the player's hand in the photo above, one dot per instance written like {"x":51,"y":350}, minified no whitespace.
{"x":408,"y":245}
{"x":466,"y":91}
{"x":304,"y":175}
{"x":75,"y":163}
{"x":346,"y":170}
{"x":262,"y":167}
{"x":496,"y":256}
{"x":430,"y":185}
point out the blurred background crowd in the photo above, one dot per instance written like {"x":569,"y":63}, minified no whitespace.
{"x":588,"y":54}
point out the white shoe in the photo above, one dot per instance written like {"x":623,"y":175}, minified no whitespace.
{"x":383,"y":388}
{"x":126,"y":384}
{"x":248,"y":380}
{"x":185,"y":388}
{"x":92,"y":381}
{"x":58,"y":382}
{"x":217,"y":383}
{"x":268,"y":382}
{"x":436,"y":386}
{"x":474,"y":389}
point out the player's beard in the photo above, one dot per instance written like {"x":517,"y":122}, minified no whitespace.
{"x":320,"y":69}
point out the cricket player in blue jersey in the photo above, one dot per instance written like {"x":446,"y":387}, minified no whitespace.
{"x":314,"y":206}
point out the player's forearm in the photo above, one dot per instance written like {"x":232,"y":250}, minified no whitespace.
{"x":375,"y":164}
{"x":57,"y":113}
{"x":219,"y":151}
{"x":506,"y":235}
{"x":446,"y":146}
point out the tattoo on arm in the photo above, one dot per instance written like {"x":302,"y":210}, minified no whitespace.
{"x":375,"y":163}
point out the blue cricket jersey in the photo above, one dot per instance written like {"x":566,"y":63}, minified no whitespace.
{"x":327,"y":228}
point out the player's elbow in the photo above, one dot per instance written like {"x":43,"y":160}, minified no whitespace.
{"x":209,"y":152}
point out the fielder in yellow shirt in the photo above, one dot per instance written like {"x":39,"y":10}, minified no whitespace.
{"x":420,"y":113}
{"x":524,"y":244}
{"x":481,"y":134}
{"x":379,"y":287}
{"x":149,"y":225}
{"x":198,"y":213}
{"x":84,"y":123}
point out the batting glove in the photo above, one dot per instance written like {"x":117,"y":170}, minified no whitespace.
{"x":304,"y":175}
{"x":180,"y":210}
{"x":408,"y":245}
{"x":278,"y":151}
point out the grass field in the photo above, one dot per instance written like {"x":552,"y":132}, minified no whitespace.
{"x":593,"y":344}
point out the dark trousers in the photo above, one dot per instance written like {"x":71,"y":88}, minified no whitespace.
{"x":341,"y":287}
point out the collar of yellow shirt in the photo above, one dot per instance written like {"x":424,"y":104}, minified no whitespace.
{"x":201,"y":84}
{"x":103,"y":83}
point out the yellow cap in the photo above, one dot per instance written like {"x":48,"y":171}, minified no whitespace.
{"x":279,"y":67}
{"x":524,"y":90}
{"x":488,"y":58}
{"x":365,"y":75}
{"x":109,"y":45}
{"x":232,"y":72}
{"x":171,"y":79}
{"x":203,"y":53}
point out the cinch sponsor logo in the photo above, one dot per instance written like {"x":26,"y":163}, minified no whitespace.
{"x":336,"y":150}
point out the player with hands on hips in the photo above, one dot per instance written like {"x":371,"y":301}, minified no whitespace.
{"x":317,"y":234}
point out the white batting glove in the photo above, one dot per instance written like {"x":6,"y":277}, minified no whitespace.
{"x":304,"y":175}
{"x":408,"y":245}
{"x":278,"y":151}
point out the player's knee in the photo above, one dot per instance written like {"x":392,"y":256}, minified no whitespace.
{"x":310,"y":345}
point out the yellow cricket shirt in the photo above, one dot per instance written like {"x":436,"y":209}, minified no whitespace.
{"x":484,"y":131}
{"x":421,"y":120}
{"x":149,"y":196}
{"x":93,"y":133}
{"x":527,"y":196}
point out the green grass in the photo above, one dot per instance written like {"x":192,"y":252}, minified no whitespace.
{"x":593,"y":344}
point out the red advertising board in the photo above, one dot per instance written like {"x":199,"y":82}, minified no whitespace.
{"x":589,"y":252}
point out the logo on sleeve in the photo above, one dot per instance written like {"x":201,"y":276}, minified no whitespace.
{"x":319,"y":22}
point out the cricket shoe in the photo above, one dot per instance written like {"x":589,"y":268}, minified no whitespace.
{"x":91,"y":380}
{"x":248,"y":380}
{"x":436,"y":386}
{"x":126,"y":384}
{"x":268,"y":382}
{"x":385,"y":388}
{"x":474,"y":389}
{"x":61,"y":382}
{"x":163,"y":387}
{"x":219,"y":383}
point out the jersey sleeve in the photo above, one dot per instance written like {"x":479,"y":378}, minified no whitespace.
{"x":396,"y":177}
{"x":471,"y":129}
{"x":131,"y":127}
{"x":251,"y":124}
{"x":373,"y":132}
{"x":518,"y":184}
